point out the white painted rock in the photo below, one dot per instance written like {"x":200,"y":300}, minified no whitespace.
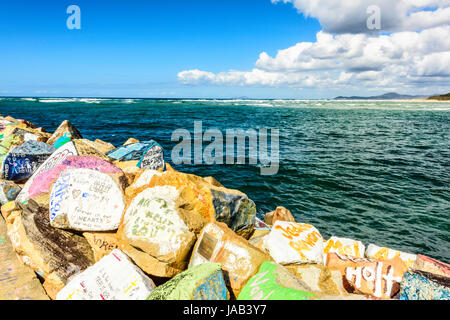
{"x":291,"y":242}
{"x":344,"y":246}
{"x":382,"y":253}
{"x":114,"y":277}
{"x":86,"y":200}
{"x":153,"y":224}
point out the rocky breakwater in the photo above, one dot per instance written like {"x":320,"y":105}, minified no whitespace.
{"x":86,"y":220}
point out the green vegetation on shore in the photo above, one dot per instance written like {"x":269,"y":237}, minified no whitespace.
{"x":443,"y":97}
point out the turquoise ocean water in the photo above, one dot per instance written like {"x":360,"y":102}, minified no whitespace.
{"x":375,"y":171}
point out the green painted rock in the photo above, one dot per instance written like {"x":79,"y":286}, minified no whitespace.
{"x":275,"y":282}
{"x":202,"y":282}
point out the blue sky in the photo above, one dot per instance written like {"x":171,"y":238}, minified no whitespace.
{"x":138,"y":48}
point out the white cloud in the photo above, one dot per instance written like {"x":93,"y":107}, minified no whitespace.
{"x":350,"y":16}
{"x":409,"y":60}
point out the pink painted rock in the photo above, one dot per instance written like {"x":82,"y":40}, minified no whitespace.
{"x":41,"y":183}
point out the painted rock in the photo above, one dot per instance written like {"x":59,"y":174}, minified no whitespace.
{"x":274,"y":282}
{"x":154,"y":223}
{"x":52,"y":253}
{"x":344,"y":246}
{"x":8,"y":191}
{"x":131,"y":140}
{"x":279,"y":214}
{"x":291,"y":242}
{"x":319,"y":278}
{"x":114,"y":277}
{"x":421,"y":285}
{"x":22,"y":161}
{"x":229,"y":206}
{"x":64,"y":133}
{"x":202,"y":282}
{"x":7,"y":144}
{"x":42,"y":182}
{"x":53,"y":160}
{"x":261,"y":225}
{"x":102,"y":243}
{"x":376,"y":252}
{"x":240,"y":260}
{"x":430,"y":265}
{"x":99,"y":145}
{"x":18,"y":282}
{"x":379,"y":278}
{"x":150,"y":154}
{"x":86,"y":200}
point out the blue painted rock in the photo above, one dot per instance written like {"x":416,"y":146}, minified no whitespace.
{"x":420,"y":285}
{"x":202,"y":282}
{"x":149,"y":154}
{"x":63,"y":134}
{"x":8,"y":191}
{"x":114,"y":277}
{"x":18,"y":282}
{"x":8,"y":143}
{"x":22,"y":161}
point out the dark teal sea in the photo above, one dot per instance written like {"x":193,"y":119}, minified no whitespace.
{"x":378,"y":172}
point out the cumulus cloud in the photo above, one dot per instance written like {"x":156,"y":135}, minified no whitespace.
{"x":350,"y":16}
{"x":418,"y":60}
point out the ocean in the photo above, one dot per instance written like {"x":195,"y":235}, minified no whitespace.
{"x":374,"y":171}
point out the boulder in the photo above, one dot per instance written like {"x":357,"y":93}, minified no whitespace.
{"x":430,"y":265}
{"x":279,"y":214}
{"x":52,"y":253}
{"x":149,"y":154}
{"x":100,"y":145}
{"x":421,"y":285}
{"x":63,"y":134}
{"x":156,"y":222}
{"x":114,"y":277}
{"x":7,"y":144}
{"x":275,"y":282}
{"x":319,"y":278}
{"x":30,"y":134}
{"x":22,"y":161}
{"x":202,"y":282}
{"x":344,"y":246}
{"x":86,"y":200}
{"x":131,"y":140}
{"x":213,"y":203}
{"x":73,"y":148}
{"x":376,"y":252}
{"x":102,"y":243}
{"x":42,"y":182}
{"x":240,"y":260}
{"x":291,"y":242}
{"x":379,"y":278}
{"x":8,"y":191}
{"x":18,"y":282}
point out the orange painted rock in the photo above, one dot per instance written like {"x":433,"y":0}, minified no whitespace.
{"x":157,"y":221}
{"x":291,"y":242}
{"x":65,"y":130}
{"x":279,"y":214}
{"x":383,"y":253}
{"x":17,"y":281}
{"x":131,"y":140}
{"x":344,"y":246}
{"x":213,"y":203}
{"x":240,"y":260}
{"x":379,"y":278}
